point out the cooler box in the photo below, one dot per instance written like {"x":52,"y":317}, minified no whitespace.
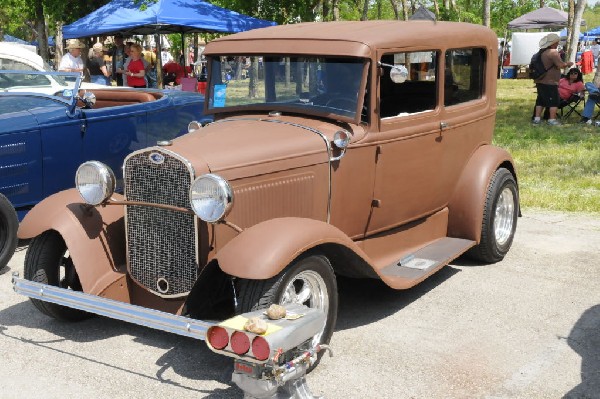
{"x":509,"y":73}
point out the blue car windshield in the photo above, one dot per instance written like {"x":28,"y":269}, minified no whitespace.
{"x":306,"y":84}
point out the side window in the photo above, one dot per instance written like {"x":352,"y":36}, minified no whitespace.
{"x":463,"y":75}
{"x":408,"y":83}
{"x":24,"y":80}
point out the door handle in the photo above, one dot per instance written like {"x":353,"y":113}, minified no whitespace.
{"x":444,"y":125}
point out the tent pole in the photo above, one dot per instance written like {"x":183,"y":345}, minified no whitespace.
{"x":183,"y":51}
{"x":159,"y":65}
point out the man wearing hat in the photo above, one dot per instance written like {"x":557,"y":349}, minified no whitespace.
{"x":547,"y":85}
{"x":71,"y":61}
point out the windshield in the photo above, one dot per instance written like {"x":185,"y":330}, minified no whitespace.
{"x":308,"y":84}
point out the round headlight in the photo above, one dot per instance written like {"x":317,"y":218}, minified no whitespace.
{"x":211,"y":197}
{"x":95,"y":182}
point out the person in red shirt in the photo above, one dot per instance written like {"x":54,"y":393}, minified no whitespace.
{"x":135,"y":70}
{"x":571,"y":85}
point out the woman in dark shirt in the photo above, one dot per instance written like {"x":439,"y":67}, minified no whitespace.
{"x":97,"y":67}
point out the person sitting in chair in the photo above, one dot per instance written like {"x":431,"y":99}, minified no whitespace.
{"x":571,"y":85}
{"x":593,"y":98}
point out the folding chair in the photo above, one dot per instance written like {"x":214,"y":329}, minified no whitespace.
{"x":567,"y":107}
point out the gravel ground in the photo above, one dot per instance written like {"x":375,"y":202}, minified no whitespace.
{"x":527,"y":327}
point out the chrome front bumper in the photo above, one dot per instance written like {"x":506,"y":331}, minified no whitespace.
{"x":114,"y":309}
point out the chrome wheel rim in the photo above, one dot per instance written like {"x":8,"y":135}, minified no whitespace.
{"x":308,"y":288}
{"x":504,"y":216}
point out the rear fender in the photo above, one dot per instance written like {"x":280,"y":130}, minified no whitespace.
{"x":265,"y":249}
{"x":95,"y":236}
{"x":467,"y":202}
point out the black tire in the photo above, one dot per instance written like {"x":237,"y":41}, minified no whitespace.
{"x":47,"y":261}
{"x":499,"y":218}
{"x":302,"y":273}
{"x":9,"y":224}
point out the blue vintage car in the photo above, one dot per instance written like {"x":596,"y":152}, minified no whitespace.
{"x":44,"y":138}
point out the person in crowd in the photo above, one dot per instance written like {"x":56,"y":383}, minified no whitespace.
{"x":165,"y":55}
{"x":136,"y":70}
{"x":593,"y":98}
{"x":71,"y":61}
{"x":571,"y":85}
{"x":150,"y":58}
{"x":118,"y":56}
{"x":596,"y":51}
{"x":97,"y":66}
{"x":547,"y":85}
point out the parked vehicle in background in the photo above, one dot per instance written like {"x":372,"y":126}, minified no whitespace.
{"x":15,"y":56}
{"x":44,"y":139}
{"x":361,"y":149}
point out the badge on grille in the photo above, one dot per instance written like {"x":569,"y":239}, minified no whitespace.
{"x":156,"y":158}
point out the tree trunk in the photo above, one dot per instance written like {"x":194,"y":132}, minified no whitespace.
{"x":326,"y":10}
{"x":40,"y":28}
{"x":570,"y":18}
{"x":288,"y":72}
{"x":575,"y":29}
{"x":404,"y":10}
{"x":365,"y":13}
{"x":436,"y":8}
{"x":335,"y":5}
{"x":486,"y":13}
{"x":253,"y":85}
{"x":395,"y":9}
{"x":58,"y":49}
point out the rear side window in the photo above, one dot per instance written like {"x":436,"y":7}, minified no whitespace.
{"x":408,"y":83}
{"x":464,"y":75}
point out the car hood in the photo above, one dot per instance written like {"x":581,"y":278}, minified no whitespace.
{"x":251,"y":145}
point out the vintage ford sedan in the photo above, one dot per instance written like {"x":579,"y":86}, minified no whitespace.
{"x":44,"y":138}
{"x":359,"y":149}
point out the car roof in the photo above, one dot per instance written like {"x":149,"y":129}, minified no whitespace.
{"x":353,"y":38}
{"x":22,"y":53}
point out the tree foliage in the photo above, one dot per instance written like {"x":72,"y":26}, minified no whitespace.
{"x":18,"y":17}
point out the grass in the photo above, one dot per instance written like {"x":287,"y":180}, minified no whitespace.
{"x":558,"y":166}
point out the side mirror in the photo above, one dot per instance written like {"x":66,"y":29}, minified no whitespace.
{"x":398,"y":74}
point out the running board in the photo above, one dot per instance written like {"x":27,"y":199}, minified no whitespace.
{"x":114,"y":309}
{"x":417,"y":266}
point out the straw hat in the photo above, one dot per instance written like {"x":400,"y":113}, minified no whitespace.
{"x":74,"y":43}
{"x":98,"y":47}
{"x":549,"y":40}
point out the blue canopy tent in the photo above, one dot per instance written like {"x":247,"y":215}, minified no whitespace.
{"x":593,"y":33}
{"x":164,"y":16}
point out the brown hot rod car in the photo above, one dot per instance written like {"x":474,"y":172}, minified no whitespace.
{"x":361,"y":149}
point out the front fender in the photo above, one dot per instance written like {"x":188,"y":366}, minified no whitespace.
{"x":95,"y":236}
{"x":265,"y":249}
{"x":467,"y":202}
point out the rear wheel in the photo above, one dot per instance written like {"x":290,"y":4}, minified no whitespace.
{"x":307,"y":281}
{"x":48,"y":262}
{"x":9,"y":224}
{"x":499,"y":218}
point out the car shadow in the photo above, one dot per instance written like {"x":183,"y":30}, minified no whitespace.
{"x":183,"y":355}
{"x":585,"y":340}
{"x":362,"y":301}
{"x":365,"y":301}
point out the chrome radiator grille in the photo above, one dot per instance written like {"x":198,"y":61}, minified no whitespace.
{"x":161,"y":244}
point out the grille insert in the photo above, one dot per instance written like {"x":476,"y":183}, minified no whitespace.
{"x":161,"y":243}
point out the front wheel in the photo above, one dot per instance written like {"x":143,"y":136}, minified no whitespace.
{"x":308,"y":281}
{"x":9,"y":223}
{"x":499,"y":218}
{"x":48,"y":262}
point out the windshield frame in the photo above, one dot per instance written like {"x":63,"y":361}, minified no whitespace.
{"x":358,"y":116}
